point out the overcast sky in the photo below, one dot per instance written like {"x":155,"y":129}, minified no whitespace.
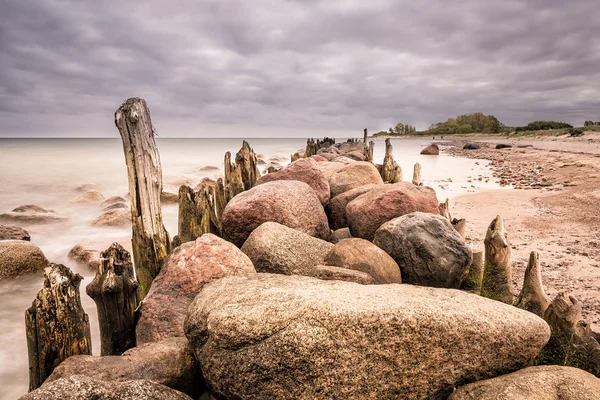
{"x":294,"y":68}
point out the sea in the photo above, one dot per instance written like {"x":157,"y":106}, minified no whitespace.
{"x":50,"y":173}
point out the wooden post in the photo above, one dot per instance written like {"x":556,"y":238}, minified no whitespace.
{"x":416,"y":180}
{"x":533,"y":297}
{"x":56,"y":325}
{"x":445,"y":210}
{"x":572,"y":342}
{"x":233,"y":178}
{"x":365,"y":136}
{"x":497,"y":270}
{"x":473,"y":281}
{"x":189,"y":218}
{"x":369,"y":156}
{"x":115,"y":292}
{"x":460,"y":225}
{"x":390,"y":171}
{"x":150,"y":240}
{"x":246,"y":160}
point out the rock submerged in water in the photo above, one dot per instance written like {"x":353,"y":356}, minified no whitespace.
{"x":304,"y":170}
{"x":185,"y":272}
{"x":80,"y":387}
{"x":362,"y":255}
{"x":431,"y":150}
{"x":169,"y":362}
{"x":89,"y":197}
{"x":85,"y":256}
{"x":534,"y":383}
{"x":8,"y":232}
{"x":290,"y":203}
{"x":367,"y":212}
{"x":113,"y":217}
{"x":277,"y":249}
{"x":19,"y":257}
{"x":281,"y":337}
{"x":32,"y":214}
{"x":427,"y":248}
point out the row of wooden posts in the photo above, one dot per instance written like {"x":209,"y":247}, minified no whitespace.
{"x":57,"y":326}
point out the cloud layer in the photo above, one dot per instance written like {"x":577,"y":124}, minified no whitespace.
{"x":295,"y":68}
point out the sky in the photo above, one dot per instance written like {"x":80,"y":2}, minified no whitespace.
{"x":300,"y":68}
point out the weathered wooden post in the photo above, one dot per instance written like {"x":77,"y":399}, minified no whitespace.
{"x":571,"y":342}
{"x":56,"y":325}
{"x":416,"y":180}
{"x":189,"y":218}
{"x":473,"y":281}
{"x":369,"y":156}
{"x":233,"y":178}
{"x":497,"y":270}
{"x":365,"y":136}
{"x":150,"y":240}
{"x":390,"y":171}
{"x":460,"y":225}
{"x":533,"y":297}
{"x":246,"y":160}
{"x":445,"y":210}
{"x":115,"y":292}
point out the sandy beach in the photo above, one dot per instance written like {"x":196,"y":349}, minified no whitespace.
{"x":554,"y":212}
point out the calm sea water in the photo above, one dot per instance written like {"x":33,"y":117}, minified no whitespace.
{"x":47,"y":173}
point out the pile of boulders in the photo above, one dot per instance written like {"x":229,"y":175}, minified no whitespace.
{"x":326,"y":283}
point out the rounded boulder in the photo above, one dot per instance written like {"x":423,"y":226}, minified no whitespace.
{"x":19,"y":257}
{"x":353,"y":175}
{"x":290,"y":203}
{"x":427,"y":248}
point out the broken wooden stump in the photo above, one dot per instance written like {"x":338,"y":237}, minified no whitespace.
{"x":533,"y":298}
{"x":150,"y":240}
{"x":365,"y":136}
{"x":189,"y":218}
{"x":390,"y":170}
{"x":497,"y":270}
{"x":460,"y":225}
{"x":56,"y":325}
{"x":416,"y":180}
{"x":247,"y":162}
{"x":311,"y":147}
{"x":369,"y":152}
{"x":233,"y":178}
{"x":474,"y":278}
{"x":445,"y":210}
{"x":114,"y":289}
{"x":572,"y":342}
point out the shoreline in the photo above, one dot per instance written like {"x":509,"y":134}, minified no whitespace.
{"x":553,"y":210}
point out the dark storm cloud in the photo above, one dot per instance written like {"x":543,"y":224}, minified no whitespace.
{"x":305,"y":65}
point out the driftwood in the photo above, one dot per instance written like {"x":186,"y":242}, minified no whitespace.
{"x":473,"y":281}
{"x":150,"y":239}
{"x":56,"y":325}
{"x":572,"y":342}
{"x":115,"y":292}
{"x":533,"y":298}
{"x":497,"y":270}
{"x":390,"y":171}
{"x":416,"y":180}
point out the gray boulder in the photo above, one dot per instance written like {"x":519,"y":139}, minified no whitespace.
{"x":19,"y":257}
{"x":290,"y":203}
{"x":362,"y":255}
{"x":169,"y":362}
{"x":8,"y":232}
{"x":81,"y":387}
{"x":270,"y":336}
{"x":277,"y":249}
{"x":534,"y":383}
{"x":427,"y":248}
{"x":353,"y":175}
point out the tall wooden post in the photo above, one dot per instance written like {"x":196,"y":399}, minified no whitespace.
{"x":150,"y":240}
{"x":365,"y":136}
{"x":56,"y":325}
{"x":115,"y":292}
{"x":390,"y":171}
{"x":497,"y":270}
{"x":189,"y":220}
{"x":473,"y":281}
{"x":533,"y":298}
{"x":246,"y":160}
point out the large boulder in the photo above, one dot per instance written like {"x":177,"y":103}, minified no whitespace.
{"x":185,"y":272}
{"x":8,"y":232}
{"x":83,"y":255}
{"x":431,"y":150}
{"x":328,"y":168}
{"x":277,"y":249}
{"x":337,"y":205}
{"x":427,"y":248}
{"x":81,"y":387}
{"x":369,"y":211}
{"x":333,"y":273}
{"x":534,"y":383}
{"x":349,"y":147}
{"x":290,"y":203}
{"x":304,"y":170}
{"x":353,"y":175}
{"x":269,"y":336}
{"x":169,"y":362}
{"x":32,"y":214}
{"x":19,"y":257}
{"x":362,"y":255}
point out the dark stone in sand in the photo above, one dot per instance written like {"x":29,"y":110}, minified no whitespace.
{"x":431,"y":150}
{"x":503,"y":146}
{"x":471,"y":146}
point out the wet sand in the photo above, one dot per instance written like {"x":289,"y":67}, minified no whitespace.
{"x":555,"y":211}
